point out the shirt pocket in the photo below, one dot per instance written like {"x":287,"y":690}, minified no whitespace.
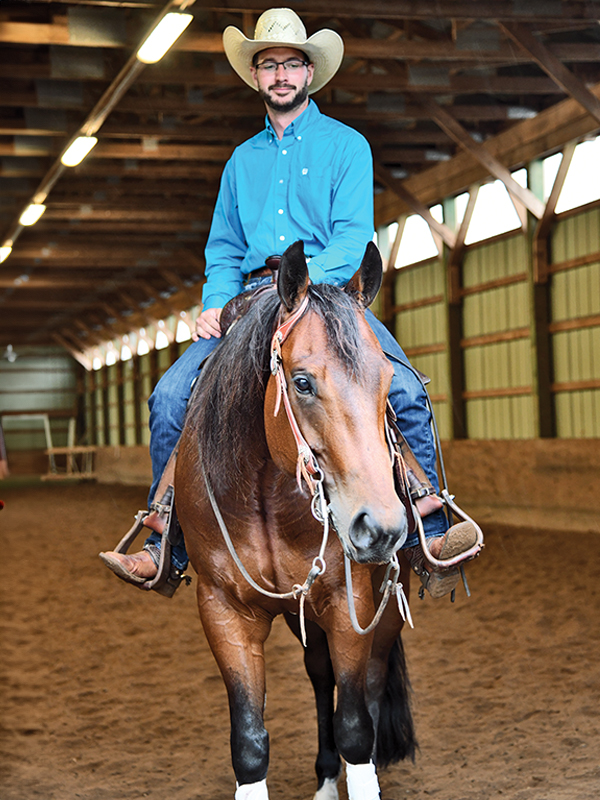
{"x":310,"y":196}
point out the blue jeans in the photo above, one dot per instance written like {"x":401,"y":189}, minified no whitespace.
{"x":169,"y":399}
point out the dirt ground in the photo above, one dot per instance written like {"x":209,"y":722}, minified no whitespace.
{"x":109,"y":693}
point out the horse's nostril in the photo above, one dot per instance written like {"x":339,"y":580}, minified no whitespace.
{"x":364,"y":531}
{"x":374,"y":539}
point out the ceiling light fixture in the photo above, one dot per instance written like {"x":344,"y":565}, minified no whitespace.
{"x":5,"y":251}
{"x":32,"y":213}
{"x":78,"y":150}
{"x":9,"y":354}
{"x":168,"y":30}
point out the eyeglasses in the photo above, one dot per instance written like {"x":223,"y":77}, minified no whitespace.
{"x":293,"y":65}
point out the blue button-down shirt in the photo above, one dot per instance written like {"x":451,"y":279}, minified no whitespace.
{"x":315,"y":184}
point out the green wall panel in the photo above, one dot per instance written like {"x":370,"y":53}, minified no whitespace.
{"x":42,"y":379}
{"x":576,"y":236}
{"x":575,"y":294}
{"x":498,"y":259}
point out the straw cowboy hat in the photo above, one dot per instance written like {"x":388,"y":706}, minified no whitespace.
{"x":282,"y":27}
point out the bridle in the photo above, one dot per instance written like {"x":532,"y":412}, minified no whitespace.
{"x":306,"y":462}
{"x":307,"y":468}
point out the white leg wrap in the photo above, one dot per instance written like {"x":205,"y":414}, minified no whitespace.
{"x":252,"y":791}
{"x":362,"y":782}
{"x":328,"y":791}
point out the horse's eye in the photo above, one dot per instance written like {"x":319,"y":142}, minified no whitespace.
{"x":303,"y":385}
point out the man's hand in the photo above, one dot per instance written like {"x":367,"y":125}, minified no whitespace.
{"x":207,"y":324}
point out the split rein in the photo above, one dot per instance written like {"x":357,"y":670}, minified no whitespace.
{"x":308,"y":469}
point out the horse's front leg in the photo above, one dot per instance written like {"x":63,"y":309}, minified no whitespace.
{"x":320,"y":671}
{"x":353,"y":725}
{"x":237,"y":641}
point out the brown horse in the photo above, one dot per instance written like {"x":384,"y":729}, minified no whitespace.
{"x":275,"y":414}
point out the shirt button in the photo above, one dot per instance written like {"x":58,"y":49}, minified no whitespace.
{"x":284,"y":152}
{"x":280,"y":211}
{"x":282,"y":238}
{"x":281,"y":180}
{"x":299,"y":138}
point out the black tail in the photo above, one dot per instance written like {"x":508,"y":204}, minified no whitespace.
{"x":396,"y":734}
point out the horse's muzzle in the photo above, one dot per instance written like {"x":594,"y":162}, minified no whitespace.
{"x":375,"y":542}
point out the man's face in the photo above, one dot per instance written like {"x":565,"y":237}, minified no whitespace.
{"x":282,"y":90}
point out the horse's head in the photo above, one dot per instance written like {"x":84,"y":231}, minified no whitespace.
{"x":337,"y":381}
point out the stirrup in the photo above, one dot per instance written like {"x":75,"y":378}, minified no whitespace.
{"x":169,"y":577}
{"x":445,"y":573}
{"x":467,"y":555}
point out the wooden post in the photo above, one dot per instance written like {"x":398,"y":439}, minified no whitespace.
{"x":137,"y":398}
{"x":539,"y":237}
{"x":454,"y":299}
{"x":121,"y":401}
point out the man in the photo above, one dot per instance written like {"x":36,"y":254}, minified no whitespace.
{"x":305,"y":176}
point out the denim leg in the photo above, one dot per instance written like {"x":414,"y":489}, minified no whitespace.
{"x":408,"y":398}
{"x":167,"y":404}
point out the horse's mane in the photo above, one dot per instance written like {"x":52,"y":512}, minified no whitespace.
{"x":226,"y":410}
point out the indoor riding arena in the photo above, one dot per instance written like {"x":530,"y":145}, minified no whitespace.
{"x":484,"y":124}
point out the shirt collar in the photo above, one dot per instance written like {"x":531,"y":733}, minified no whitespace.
{"x":299,"y":125}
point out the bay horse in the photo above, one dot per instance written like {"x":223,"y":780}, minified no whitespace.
{"x":295,"y":396}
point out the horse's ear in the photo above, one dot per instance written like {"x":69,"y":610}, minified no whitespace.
{"x":365,"y":282}
{"x":292,"y":276}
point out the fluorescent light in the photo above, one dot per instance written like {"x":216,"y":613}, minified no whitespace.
{"x":32,"y":213}
{"x":168,"y":30}
{"x":5,"y":251}
{"x":78,"y":150}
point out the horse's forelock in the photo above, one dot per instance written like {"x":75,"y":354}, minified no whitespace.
{"x":338,"y":311}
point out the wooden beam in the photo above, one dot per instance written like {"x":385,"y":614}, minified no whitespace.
{"x":252,"y":108}
{"x":155,"y":151}
{"x":488,"y":286}
{"x":542,"y":231}
{"x":509,"y":391}
{"x":345,"y":79}
{"x":39,"y":282}
{"x":553,"y":66}
{"x":494,"y":338}
{"x":455,"y":257}
{"x":462,"y":137}
{"x":575,"y":324}
{"x":77,"y":354}
{"x":396,"y":186}
{"x":422,"y":303}
{"x":551,"y":130}
{"x":430,"y":9}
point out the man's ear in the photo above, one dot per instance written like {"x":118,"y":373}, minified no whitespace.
{"x":365,"y":282}
{"x":292,"y":276}
{"x":311,"y":74}
{"x":254,"y":76}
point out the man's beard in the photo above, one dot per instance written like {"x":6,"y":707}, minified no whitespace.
{"x":284,"y":106}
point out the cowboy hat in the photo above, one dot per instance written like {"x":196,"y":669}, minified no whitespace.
{"x":282,"y":27}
